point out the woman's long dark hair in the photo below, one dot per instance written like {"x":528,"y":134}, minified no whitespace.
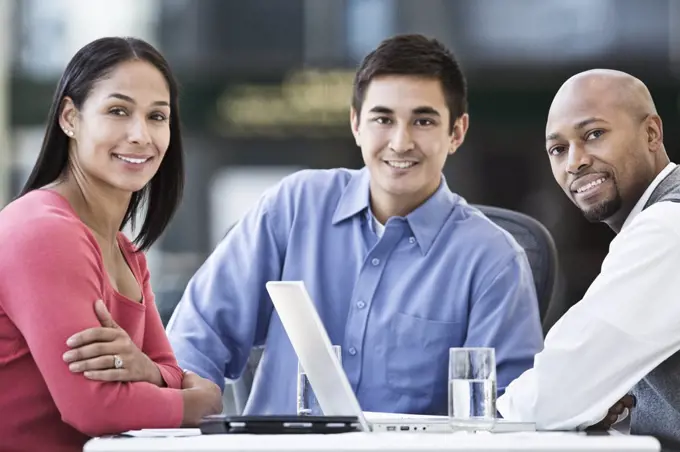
{"x":92,"y":63}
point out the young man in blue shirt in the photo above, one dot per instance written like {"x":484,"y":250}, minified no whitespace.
{"x":399,"y":267}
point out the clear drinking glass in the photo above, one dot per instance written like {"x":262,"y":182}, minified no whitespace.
{"x":472,"y":388}
{"x":307,"y":404}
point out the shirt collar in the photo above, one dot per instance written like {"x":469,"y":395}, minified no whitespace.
{"x":425,"y":221}
{"x":354,"y":198}
{"x":648,"y":192}
{"x":429,"y":218}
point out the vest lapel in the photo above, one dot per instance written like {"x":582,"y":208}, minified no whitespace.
{"x":667,"y":190}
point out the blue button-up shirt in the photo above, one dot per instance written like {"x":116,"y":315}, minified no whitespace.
{"x":443,"y":276}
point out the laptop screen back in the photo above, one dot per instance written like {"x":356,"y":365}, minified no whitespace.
{"x":314,"y":349}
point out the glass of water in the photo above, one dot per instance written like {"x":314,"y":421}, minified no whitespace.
{"x":472,"y":388}
{"x":307,"y":404}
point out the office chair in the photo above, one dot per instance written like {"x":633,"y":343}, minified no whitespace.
{"x":538,"y":245}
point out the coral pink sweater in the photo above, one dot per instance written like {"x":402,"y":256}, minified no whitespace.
{"x":51,"y":273}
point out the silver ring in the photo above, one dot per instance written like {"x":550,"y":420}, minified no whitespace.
{"x":117,"y":362}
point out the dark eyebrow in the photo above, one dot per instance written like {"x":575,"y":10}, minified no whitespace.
{"x":158,"y":103}
{"x":380,"y":109}
{"x":587,"y":121}
{"x":425,"y":111}
{"x":552,"y":136}
{"x":578,"y":126}
{"x":416,"y":111}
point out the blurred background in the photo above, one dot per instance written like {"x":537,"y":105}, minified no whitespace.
{"x":266,"y":87}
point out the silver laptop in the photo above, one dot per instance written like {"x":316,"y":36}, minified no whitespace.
{"x":326,"y":375}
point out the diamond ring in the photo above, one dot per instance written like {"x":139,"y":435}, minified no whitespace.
{"x":117,"y":362}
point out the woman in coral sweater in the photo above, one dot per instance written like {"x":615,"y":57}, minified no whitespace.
{"x":112,"y":153}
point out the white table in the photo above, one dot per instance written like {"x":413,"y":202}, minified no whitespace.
{"x":370,"y":442}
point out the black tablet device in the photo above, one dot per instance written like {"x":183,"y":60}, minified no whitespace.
{"x":272,"y":425}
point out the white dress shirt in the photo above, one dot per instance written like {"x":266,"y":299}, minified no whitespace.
{"x":626,"y":324}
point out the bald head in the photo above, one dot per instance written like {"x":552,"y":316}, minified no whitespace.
{"x":608,"y":88}
{"x":603,"y":129}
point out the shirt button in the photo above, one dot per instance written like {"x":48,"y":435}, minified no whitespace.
{"x":361,"y":304}
{"x":411,"y":240}
{"x":352,"y":351}
{"x":375,"y":261}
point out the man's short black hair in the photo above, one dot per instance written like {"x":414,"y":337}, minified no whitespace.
{"x":419,"y":56}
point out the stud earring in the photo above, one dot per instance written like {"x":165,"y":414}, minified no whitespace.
{"x":68,"y":132}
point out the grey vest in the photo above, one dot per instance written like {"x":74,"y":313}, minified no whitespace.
{"x":658,"y":395}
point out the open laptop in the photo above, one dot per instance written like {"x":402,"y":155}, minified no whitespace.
{"x":326,"y":375}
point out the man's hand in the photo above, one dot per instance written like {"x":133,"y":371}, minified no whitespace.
{"x":627,"y":402}
{"x":107,"y":353}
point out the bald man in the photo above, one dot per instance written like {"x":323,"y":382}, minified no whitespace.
{"x":604,"y":140}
